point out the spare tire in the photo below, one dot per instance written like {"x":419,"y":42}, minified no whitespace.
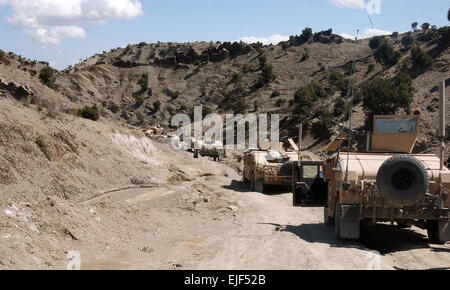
{"x":286,"y":168}
{"x":402,"y":180}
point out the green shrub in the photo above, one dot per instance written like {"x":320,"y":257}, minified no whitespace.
{"x":426,"y":26}
{"x":307,"y":33}
{"x":420,"y":59}
{"x":140,"y":117}
{"x":262,"y":61}
{"x":305,"y":98}
{"x":305,"y":55}
{"x":387,"y":54}
{"x":140,"y":99}
{"x":266,"y":76}
{"x":175,"y":95}
{"x":387,"y":96}
{"x":339,"y":107}
{"x":157,"y":106}
{"x":371,"y":68}
{"x":91,"y":113}
{"x":407,"y":41}
{"x":150,"y":92}
{"x":336,"y":79}
{"x":394,"y":35}
{"x":143,"y":82}
{"x":46,"y":75}
{"x":377,"y":41}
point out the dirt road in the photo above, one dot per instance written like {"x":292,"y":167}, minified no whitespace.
{"x":224,"y":226}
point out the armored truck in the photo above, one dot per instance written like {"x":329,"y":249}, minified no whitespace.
{"x":268,"y":165}
{"x":384,"y":183}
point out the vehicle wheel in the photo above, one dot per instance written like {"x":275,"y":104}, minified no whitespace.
{"x":404,"y":225}
{"x":328,"y":221}
{"x":259,"y":185}
{"x":402,"y":180}
{"x":438,"y":231}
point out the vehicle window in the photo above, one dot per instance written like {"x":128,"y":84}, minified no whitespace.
{"x":400,"y":125}
{"x":310,"y":171}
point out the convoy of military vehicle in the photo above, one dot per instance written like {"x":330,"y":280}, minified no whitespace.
{"x":383,"y":182}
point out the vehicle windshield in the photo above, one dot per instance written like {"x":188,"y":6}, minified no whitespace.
{"x":398,"y":125}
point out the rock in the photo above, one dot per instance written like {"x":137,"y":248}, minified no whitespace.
{"x":233,"y":208}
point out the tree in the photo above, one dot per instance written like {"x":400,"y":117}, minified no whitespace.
{"x":307,"y":33}
{"x":387,"y":96}
{"x":143,"y":82}
{"x":376,"y":41}
{"x":426,"y":26}
{"x":395,"y":35}
{"x":448,"y":15}
{"x":305,"y":98}
{"x":387,"y":54}
{"x":157,"y":106}
{"x":46,"y":75}
{"x":339,"y":107}
{"x":266,"y":75}
{"x":414,"y":26}
{"x":407,"y":41}
{"x":420,"y":59}
{"x":262,"y":61}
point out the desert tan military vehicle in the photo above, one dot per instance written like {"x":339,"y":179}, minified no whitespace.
{"x":214,"y":149}
{"x":386,"y":183}
{"x":268,"y":165}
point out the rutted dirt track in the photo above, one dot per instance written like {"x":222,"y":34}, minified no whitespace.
{"x":231,"y":228}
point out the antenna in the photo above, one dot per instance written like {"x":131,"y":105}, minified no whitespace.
{"x":351,"y":92}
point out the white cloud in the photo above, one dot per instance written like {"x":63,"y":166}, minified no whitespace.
{"x":354,"y":4}
{"x":49,"y":21}
{"x":273,"y":39}
{"x":368,"y":33}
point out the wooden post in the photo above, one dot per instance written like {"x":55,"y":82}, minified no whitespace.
{"x":442,"y":122}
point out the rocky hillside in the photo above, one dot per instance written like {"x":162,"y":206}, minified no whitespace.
{"x":146,"y":84}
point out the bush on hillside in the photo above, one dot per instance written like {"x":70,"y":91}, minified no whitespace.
{"x":420,"y":59}
{"x":387,"y":55}
{"x":305,"y":98}
{"x":46,"y":75}
{"x":387,"y":96}
{"x":407,"y":41}
{"x":143,"y":82}
{"x":90,"y":113}
{"x":376,"y":41}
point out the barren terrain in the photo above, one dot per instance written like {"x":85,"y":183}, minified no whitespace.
{"x":125,"y":201}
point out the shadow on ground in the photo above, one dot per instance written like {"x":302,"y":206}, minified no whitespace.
{"x":241,"y":186}
{"x":383,"y":238}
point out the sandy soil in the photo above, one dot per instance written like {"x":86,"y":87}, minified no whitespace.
{"x":209,"y":221}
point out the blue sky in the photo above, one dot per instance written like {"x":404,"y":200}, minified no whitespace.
{"x":77,"y":29}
